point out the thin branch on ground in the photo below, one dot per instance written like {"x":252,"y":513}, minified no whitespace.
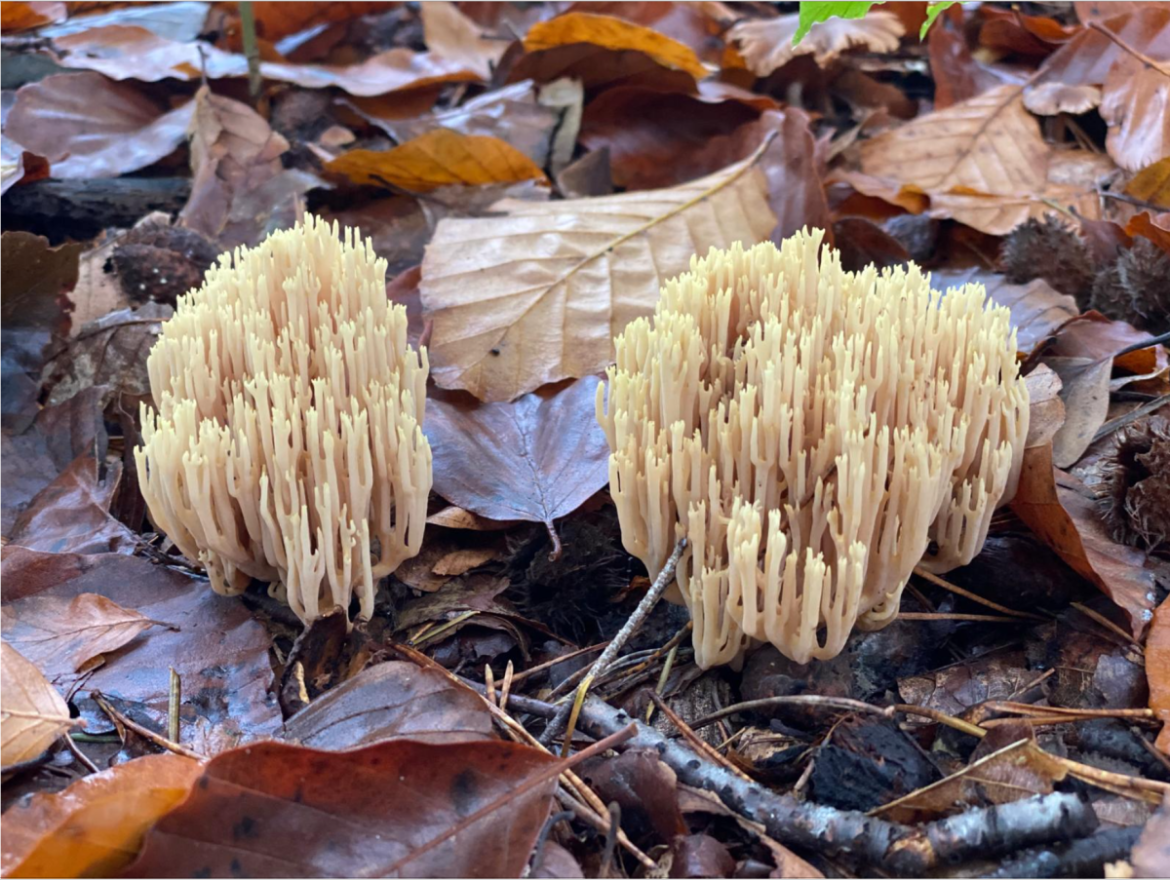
{"x":566,"y":714}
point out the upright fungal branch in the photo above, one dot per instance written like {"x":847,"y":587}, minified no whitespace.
{"x":287,"y":444}
{"x":813,"y":432}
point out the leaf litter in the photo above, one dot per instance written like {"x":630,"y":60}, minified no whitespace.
{"x":533,"y":173}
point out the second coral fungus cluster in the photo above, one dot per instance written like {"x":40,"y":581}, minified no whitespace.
{"x":815,"y":434}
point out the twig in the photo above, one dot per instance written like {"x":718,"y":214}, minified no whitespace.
{"x":80,"y":755}
{"x":251,"y":48}
{"x":1081,"y":858}
{"x":122,"y":721}
{"x":548,"y":664}
{"x":897,"y":848}
{"x":697,"y":742}
{"x":175,"y":700}
{"x":981,"y":618}
{"x":1108,"y":624}
{"x":568,"y":711}
{"x":1132,"y":416}
{"x":615,"y":823}
{"x":538,"y":850}
{"x":517,"y":731}
{"x":661,"y":686}
{"x":959,"y":591}
{"x":808,"y":700}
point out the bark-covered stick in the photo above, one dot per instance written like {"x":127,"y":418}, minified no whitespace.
{"x":898,"y":849}
{"x":572,"y":707}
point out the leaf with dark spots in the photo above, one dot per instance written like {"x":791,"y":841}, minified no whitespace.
{"x":400,"y":808}
{"x":94,"y":828}
{"x":218,"y":649}
{"x":537,"y":458}
{"x":394,"y":700}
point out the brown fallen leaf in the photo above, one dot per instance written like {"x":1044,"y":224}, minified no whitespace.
{"x":984,"y":163}
{"x":275,"y":20}
{"x":398,"y":808}
{"x":537,"y":458}
{"x":697,"y":25}
{"x":216,"y":645}
{"x":238,"y":181}
{"x":20,"y":16}
{"x":1018,"y":770}
{"x":95,"y":827}
{"x":72,"y":514}
{"x":658,"y":139}
{"x":451,"y":35}
{"x":555,"y":281}
{"x":766,"y":44}
{"x":511,"y":113}
{"x":613,"y":34}
{"x":1045,"y":408}
{"x":394,"y":700}
{"x":957,"y":75}
{"x":1158,"y":672}
{"x":33,"y":714}
{"x":1156,"y":228}
{"x":455,"y":517}
{"x":90,"y":126}
{"x":1152,"y":184}
{"x":66,"y":637}
{"x":440,"y":157}
{"x":1133,"y":105}
{"x":1053,"y":505}
{"x":1085,"y":392}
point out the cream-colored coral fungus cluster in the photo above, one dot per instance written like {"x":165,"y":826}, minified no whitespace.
{"x":287,"y":445}
{"x":812,"y":432}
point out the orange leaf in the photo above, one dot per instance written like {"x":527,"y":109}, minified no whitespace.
{"x":95,"y":827}
{"x":275,"y":20}
{"x":23,"y":16}
{"x":1158,"y":671}
{"x":613,"y":33}
{"x":1049,"y":502}
{"x":438,"y":158}
{"x":1152,"y":184}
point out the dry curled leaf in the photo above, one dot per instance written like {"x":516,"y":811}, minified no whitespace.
{"x":94,"y":828}
{"x":398,"y":808}
{"x":451,"y":35}
{"x":554,"y":281}
{"x":1152,"y":184}
{"x":91,"y":126}
{"x":440,"y":157}
{"x":766,"y":44}
{"x":536,"y":459}
{"x":614,"y":34}
{"x":33,"y":715}
{"x":1055,"y":508}
{"x":64,"y":637}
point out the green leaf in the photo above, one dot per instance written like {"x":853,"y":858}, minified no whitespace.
{"x":933,"y":11}
{"x":814,"y":13}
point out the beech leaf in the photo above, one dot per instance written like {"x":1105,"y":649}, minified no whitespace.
{"x":535,"y":295}
{"x":536,"y":459}
{"x":386,"y":810}
{"x":94,"y":828}
{"x":65,"y":637}
{"x":440,"y":157}
{"x":33,"y":715}
{"x":768,"y":44}
{"x":614,"y":34}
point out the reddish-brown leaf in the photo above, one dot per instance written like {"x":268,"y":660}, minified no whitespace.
{"x":537,"y":458}
{"x":394,"y":700}
{"x":1055,"y":507}
{"x":94,"y":828}
{"x":657,"y":140}
{"x":90,"y":126}
{"x":399,"y":808}
{"x":1158,"y":671}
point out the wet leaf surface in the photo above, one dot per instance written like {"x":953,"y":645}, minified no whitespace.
{"x":385,"y":810}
